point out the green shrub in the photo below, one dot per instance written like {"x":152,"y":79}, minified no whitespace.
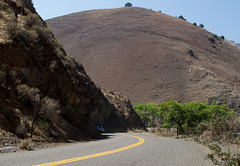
{"x":43,"y":125}
{"x":222,"y":37}
{"x":195,"y":24}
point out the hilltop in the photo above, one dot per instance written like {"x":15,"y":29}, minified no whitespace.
{"x":150,"y":56}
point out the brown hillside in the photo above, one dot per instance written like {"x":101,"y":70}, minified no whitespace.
{"x":144,"y":54}
{"x":40,"y":84}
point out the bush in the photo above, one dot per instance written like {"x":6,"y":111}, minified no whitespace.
{"x":26,"y":144}
{"x":181,"y":17}
{"x":212,"y":40}
{"x":29,"y":36}
{"x":195,"y":24}
{"x":33,"y":20}
{"x":11,"y":28}
{"x":128,"y":4}
{"x":190,"y":52}
{"x":43,"y":125}
{"x":222,"y":37}
{"x":201,"y":25}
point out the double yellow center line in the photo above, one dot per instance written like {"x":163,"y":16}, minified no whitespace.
{"x":140,"y":142}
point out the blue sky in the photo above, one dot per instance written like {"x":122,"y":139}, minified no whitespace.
{"x":221,"y":17}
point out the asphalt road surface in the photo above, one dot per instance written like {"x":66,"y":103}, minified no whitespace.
{"x":117,"y":150}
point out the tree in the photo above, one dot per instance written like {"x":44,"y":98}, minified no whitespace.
{"x":153,"y":112}
{"x":128,"y":4}
{"x":201,"y":25}
{"x":141,"y":110}
{"x":174,"y":114}
{"x":181,"y":17}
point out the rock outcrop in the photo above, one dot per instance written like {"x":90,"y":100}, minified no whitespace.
{"x":44,"y":91}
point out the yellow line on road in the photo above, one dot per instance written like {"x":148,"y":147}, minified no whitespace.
{"x":141,"y":141}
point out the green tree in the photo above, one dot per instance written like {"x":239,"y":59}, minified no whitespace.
{"x":153,"y":113}
{"x":174,"y":114}
{"x":186,"y":115}
{"x":141,"y":110}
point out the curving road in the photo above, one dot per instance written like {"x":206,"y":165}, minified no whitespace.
{"x":117,"y":150}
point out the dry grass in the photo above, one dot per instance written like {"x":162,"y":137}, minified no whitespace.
{"x":152,"y":130}
{"x":30,"y":93}
{"x":168,"y":133}
{"x":150,"y":52}
{"x":158,"y":131}
{"x":26,"y":144}
{"x":137,"y":131}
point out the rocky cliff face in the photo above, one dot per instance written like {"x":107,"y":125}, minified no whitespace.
{"x":40,"y":84}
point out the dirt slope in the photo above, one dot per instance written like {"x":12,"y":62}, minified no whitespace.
{"x":144,"y":54}
{"x":40,"y":84}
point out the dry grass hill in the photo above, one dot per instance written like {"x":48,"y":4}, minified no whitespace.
{"x":151,"y":56}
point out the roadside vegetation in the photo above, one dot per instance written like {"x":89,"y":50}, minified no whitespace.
{"x":210,"y":124}
{"x":194,"y":115}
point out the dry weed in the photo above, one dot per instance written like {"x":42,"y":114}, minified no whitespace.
{"x":152,"y":130}
{"x":137,"y":131}
{"x":167,"y":133}
{"x":26,"y":144}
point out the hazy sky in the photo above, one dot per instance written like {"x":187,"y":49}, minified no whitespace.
{"x":221,"y":17}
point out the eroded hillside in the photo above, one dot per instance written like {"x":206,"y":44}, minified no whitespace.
{"x":43,"y":85}
{"x":150,"y":56}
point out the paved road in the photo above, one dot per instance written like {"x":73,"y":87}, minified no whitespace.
{"x":120,"y":150}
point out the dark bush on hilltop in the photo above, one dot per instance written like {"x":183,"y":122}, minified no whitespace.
{"x":128,"y":4}
{"x":195,"y":24}
{"x":222,"y":37}
{"x":181,"y":17}
{"x":201,"y":25}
